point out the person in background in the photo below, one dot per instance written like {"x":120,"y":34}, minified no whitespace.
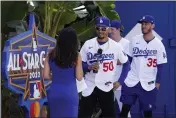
{"x":119,"y":78}
{"x":65,"y":63}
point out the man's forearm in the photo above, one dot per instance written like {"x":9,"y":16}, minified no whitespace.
{"x":130,"y":59}
{"x":125,"y":69}
{"x":160,"y":71}
{"x":85,"y":67}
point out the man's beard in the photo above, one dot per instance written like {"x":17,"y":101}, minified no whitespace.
{"x":148,"y":31}
{"x":100,"y":37}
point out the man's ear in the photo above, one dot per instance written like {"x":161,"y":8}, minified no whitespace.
{"x":118,"y":29}
{"x":153,"y":26}
{"x":109,"y":30}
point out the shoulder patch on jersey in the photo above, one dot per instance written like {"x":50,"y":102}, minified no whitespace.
{"x":164,"y":55}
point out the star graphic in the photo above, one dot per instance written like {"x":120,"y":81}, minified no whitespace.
{"x":25,"y":53}
{"x":26,"y":91}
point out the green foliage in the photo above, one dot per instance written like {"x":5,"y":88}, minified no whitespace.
{"x":86,"y":30}
{"x":107,"y":9}
{"x":12,"y":10}
{"x":10,"y":106}
{"x":55,"y":14}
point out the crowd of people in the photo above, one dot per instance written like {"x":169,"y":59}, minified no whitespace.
{"x":109,"y":63}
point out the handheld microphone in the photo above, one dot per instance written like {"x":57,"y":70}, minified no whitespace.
{"x":99,"y":53}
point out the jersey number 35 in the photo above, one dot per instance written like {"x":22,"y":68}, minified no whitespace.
{"x":151,"y":62}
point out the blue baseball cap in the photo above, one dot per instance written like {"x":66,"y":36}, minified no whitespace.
{"x":102,"y":22}
{"x":116,"y":24}
{"x":147,"y":18}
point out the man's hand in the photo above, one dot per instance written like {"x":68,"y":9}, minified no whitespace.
{"x":157,"y":85}
{"x":116,"y":85}
{"x":94,"y":66}
{"x":118,"y":62}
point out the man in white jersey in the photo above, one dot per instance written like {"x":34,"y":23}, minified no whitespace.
{"x":119,"y":76}
{"x":143,"y":80}
{"x":99,"y":56}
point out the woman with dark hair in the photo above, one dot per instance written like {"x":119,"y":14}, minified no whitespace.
{"x":65,"y":63}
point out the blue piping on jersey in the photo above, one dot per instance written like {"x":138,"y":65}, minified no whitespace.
{"x":101,"y":43}
{"x":144,"y":55}
{"x":101,"y":61}
{"x":130,"y":59}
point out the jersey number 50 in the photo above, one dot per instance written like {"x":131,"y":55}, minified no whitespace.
{"x":108,"y":66}
{"x":151,"y":62}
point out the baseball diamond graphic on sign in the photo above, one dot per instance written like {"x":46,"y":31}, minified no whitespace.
{"x":22,"y":66}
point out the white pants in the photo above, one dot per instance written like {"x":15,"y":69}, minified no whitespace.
{"x":117,"y":95}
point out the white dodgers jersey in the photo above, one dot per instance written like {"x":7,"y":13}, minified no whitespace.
{"x":124,"y":43}
{"x":103,"y":79}
{"x":145,"y":56}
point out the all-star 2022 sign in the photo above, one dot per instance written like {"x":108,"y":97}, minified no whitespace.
{"x":22,"y":66}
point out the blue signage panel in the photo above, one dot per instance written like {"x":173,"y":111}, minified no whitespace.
{"x":22,"y":66}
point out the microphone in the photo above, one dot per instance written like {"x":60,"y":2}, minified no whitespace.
{"x":99,"y":53}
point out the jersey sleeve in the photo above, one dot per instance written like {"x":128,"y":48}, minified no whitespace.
{"x":122,"y":55}
{"x":129,"y":49}
{"x":83,"y":52}
{"x":161,"y":55}
{"x":126,"y":47}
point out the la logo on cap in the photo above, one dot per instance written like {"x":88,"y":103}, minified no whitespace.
{"x":101,"y":21}
{"x":143,"y":17}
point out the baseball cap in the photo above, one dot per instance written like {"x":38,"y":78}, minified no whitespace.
{"x":102,"y":22}
{"x":147,"y":18}
{"x":116,"y":24}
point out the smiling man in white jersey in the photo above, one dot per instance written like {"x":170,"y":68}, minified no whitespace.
{"x":100,"y":56}
{"x":143,"y":80}
{"x":119,"y":76}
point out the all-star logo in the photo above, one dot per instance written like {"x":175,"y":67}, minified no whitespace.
{"x":24,"y":69}
{"x":164,"y":55}
{"x":23,"y":64}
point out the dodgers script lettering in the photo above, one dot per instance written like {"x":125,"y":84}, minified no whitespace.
{"x":146,"y":52}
